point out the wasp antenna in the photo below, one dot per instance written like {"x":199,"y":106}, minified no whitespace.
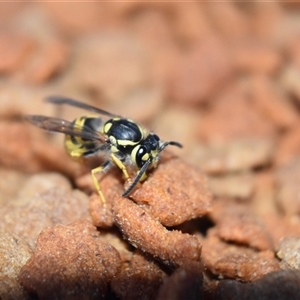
{"x":172,"y":143}
{"x":175,"y":144}
{"x":137,"y":178}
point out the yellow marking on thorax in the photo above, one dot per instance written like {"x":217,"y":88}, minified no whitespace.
{"x":126,"y":143}
{"x":106,"y":127}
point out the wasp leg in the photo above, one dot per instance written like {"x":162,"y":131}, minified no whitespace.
{"x":120,"y":165}
{"x":95,"y":180}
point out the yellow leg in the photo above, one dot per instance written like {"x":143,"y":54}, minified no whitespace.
{"x":120,"y":165}
{"x":96,"y":183}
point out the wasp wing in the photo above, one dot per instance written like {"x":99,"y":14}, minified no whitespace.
{"x":59,"y":125}
{"x":68,"y":101}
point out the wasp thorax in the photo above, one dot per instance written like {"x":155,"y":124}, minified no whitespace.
{"x":123,"y":130}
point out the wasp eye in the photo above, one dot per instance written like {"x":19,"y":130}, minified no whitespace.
{"x":142,"y":150}
{"x":141,"y":156}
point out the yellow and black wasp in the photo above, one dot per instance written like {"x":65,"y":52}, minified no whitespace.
{"x":122,"y":141}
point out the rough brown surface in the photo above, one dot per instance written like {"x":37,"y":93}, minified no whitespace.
{"x":236,"y":223}
{"x":170,"y":203}
{"x":241,"y":118}
{"x":91,"y":263}
{"x":240,"y":186}
{"x":240,"y":154}
{"x":233,"y":261}
{"x":287,"y":180}
{"x":9,"y":180}
{"x":45,"y":200}
{"x":146,"y":233}
{"x":141,"y":272}
{"x":222,"y":79}
{"x":185,"y":283}
{"x":288,"y":251}
{"x":14,"y":253}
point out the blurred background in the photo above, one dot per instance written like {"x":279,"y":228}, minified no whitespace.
{"x":221,"y":78}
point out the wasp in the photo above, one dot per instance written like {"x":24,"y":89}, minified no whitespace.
{"x":122,"y":141}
